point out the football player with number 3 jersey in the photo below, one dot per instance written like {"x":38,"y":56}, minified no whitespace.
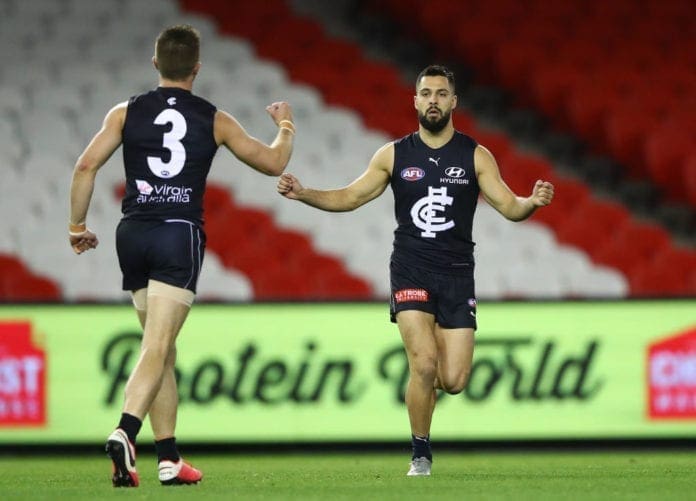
{"x":436,"y":174}
{"x":169,"y":139}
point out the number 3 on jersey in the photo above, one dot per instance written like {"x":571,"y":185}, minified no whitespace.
{"x":171,"y":141}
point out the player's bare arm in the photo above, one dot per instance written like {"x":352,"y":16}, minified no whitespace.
{"x":500,"y":196}
{"x":267,"y":159}
{"x":98,"y":151}
{"x":368,"y":186}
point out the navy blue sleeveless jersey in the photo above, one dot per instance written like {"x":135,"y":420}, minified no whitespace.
{"x":435,"y":197}
{"x":168,"y":146}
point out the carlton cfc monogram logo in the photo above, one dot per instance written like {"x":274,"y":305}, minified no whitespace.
{"x":424,"y":212}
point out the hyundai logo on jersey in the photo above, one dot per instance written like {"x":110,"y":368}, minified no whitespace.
{"x":412,"y":174}
{"x":455,"y":172}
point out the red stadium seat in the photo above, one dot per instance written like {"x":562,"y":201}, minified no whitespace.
{"x":341,"y":286}
{"x":298,"y":241}
{"x":653,"y":281}
{"x":516,"y":62}
{"x":275,"y":285}
{"x":497,"y":143}
{"x":328,"y":278}
{"x":683,"y":260}
{"x":587,"y":106}
{"x":673,"y":79}
{"x":550,"y":87}
{"x":299,"y":36}
{"x":247,"y":20}
{"x":323,"y":76}
{"x":593,"y":223}
{"x":520,"y":172}
{"x":569,"y":195}
{"x":672,"y":272}
{"x":10,"y":264}
{"x":626,"y":130}
{"x":216,"y":198}
{"x":400,"y":10}
{"x":689,"y":177}
{"x":28,"y":287}
{"x":616,"y":254}
{"x":443,"y":36}
{"x":473,"y":40}
{"x":666,"y":150}
{"x":635,"y":55}
{"x":632,"y":247}
{"x":580,"y":233}
{"x":585,"y":54}
{"x":12,"y":270}
{"x":19,"y":283}
{"x":396,"y":123}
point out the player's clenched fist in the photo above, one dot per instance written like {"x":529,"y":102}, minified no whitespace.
{"x":289,"y":186}
{"x":542,"y":194}
{"x":83,"y":240}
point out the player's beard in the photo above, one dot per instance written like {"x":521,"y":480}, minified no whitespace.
{"x":434,"y":125}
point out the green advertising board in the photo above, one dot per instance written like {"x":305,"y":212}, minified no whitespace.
{"x":337,"y":372}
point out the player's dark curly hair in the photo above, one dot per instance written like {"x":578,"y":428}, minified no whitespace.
{"x":437,"y":70}
{"x":177,"y":51}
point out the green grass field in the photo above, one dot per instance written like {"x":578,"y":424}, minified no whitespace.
{"x":665,"y":475}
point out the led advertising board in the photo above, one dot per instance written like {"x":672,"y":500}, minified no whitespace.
{"x":337,"y":372}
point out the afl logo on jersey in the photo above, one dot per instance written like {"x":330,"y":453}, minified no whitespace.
{"x":455,"y":172}
{"x":412,"y":174}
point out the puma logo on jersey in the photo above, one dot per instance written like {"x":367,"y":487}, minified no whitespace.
{"x":436,"y":161}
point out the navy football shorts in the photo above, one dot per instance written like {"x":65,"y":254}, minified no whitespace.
{"x":450,"y":298}
{"x":168,"y":251}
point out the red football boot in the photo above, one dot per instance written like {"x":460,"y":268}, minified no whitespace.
{"x":122,"y":454}
{"x":178,"y":473}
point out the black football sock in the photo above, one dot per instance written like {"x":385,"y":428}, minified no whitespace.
{"x":166,"y":450}
{"x":421,"y":447}
{"x":131,"y":425}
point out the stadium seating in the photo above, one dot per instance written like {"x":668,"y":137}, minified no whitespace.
{"x":579,"y":61}
{"x":617,"y":77}
{"x":261,"y":246}
{"x":19,"y":284}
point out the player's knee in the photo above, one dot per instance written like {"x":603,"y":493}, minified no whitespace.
{"x":171,"y":357}
{"x":456,"y":383}
{"x":157,"y":352}
{"x":424,"y":368}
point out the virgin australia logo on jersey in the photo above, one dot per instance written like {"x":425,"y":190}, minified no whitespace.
{"x":455,"y":175}
{"x":412,"y":174}
{"x":162,"y":193}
